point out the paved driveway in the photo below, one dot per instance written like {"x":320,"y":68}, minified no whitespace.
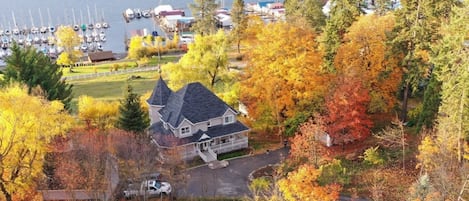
{"x":230,"y":181}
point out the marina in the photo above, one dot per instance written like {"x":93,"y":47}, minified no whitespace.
{"x":101,"y":25}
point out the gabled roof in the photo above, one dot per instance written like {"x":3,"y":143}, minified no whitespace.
{"x":164,"y":137}
{"x":193,"y":102}
{"x":160,"y":93}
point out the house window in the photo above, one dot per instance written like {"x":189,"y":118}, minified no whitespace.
{"x":185,"y":130}
{"x":229,"y":119}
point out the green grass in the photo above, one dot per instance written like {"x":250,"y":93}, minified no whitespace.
{"x":110,"y":87}
{"x":123,"y":64}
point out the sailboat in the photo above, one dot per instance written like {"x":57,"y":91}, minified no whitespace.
{"x":16,"y":30}
{"x":43,"y":28}
{"x":51,"y":27}
{"x":76,"y":27}
{"x":104,"y":23}
{"x":34,"y":29}
{"x":97,"y":24}
{"x":90,"y":25}
{"x":83,"y":26}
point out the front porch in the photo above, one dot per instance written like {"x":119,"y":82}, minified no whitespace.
{"x":210,"y":148}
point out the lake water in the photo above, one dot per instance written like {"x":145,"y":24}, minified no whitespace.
{"x":61,"y":12}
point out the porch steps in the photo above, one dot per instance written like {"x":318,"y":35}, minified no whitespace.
{"x":207,"y":156}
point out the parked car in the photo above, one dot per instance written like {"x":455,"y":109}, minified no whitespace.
{"x":148,"y":188}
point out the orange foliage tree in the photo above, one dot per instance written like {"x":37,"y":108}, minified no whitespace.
{"x":347,"y":119}
{"x":282,"y":76}
{"x":304,"y":144}
{"x":302,"y":185}
{"x":364,"y":54}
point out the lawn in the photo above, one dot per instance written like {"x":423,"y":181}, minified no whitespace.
{"x":121,"y":64}
{"x":110,"y":87}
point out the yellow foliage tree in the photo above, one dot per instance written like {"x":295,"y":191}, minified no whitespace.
{"x":27,"y":126}
{"x":136,"y":48}
{"x":95,"y":113}
{"x":68,"y":39}
{"x":302,"y":185}
{"x":283,"y":75}
{"x":205,"y":62}
{"x":364,"y":55}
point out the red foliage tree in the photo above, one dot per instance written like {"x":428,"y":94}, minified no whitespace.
{"x":347,"y":119}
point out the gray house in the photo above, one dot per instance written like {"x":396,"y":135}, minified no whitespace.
{"x":194,"y":120}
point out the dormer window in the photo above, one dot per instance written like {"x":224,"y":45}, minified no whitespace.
{"x":228,"y":119}
{"x":165,"y":125}
{"x":186,"y":130}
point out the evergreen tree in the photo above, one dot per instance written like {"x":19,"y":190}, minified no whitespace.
{"x":239,"y":21}
{"x":309,"y":11}
{"x":431,"y":102}
{"x":417,"y":25}
{"x":33,"y":68}
{"x":204,"y":15}
{"x":131,"y":115}
{"x":452,"y":61}
{"x":343,"y":13}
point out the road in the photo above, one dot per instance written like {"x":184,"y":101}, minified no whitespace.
{"x":231,"y":181}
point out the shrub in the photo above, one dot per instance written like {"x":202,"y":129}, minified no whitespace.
{"x":372,"y":156}
{"x":334,"y":172}
{"x":115,"y":67}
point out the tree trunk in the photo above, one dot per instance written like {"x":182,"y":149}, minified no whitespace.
{"x":5,"y":192}
{"x":405,"y":100}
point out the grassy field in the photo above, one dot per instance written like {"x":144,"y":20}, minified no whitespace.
{"x":107,"y":66}
{"x":110,"y":87}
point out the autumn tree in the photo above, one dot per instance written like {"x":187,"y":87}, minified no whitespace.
{"x":204,"y":12}
{"x":136,"y":48}
{"x":205,"y":62}
{"x":28,"y":124}
{"x":282,"y":76}
{"x":84,"y":166}
{"x":97,"y":114}
{"x":136,"y":156}
{"x":364,"y":55}
{"x":132,"y":118}
{"x":68,"y":39}
{"x":36,"y":70}
{"x":306,"y":12}
{"x":302,"y":184}
{"x":343,"y":13}
{"x":239,"y":19}
{"x":305,"y":145}
{"x":346,"y":119}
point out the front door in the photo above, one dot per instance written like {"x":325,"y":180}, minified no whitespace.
{"x":203,"y":146}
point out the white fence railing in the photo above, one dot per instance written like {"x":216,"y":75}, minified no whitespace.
{"x":101,"y":74}
{"x":230,"y":146}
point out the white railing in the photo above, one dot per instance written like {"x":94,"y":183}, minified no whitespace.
{"x":94,"y":75}
{"x":202,"y":155}
{"x":232,"y":145}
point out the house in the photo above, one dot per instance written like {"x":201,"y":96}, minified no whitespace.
{"x":194,"y":121}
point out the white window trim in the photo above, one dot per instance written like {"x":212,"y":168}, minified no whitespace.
{"x":187,"y":133}
{"x":228,"y":116}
